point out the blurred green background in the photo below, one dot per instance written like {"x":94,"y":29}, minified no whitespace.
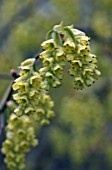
{"x":80,"y":135}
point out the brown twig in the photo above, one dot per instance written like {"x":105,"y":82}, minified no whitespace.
{"x":5,"y":99}
{"x":9,"y":92}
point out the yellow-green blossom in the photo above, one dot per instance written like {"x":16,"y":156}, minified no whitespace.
{"x":48,"y":45}
{"x":20,"y":137}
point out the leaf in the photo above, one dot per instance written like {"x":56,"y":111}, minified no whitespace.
{"x":48,"y":35}
{"x":57,"y":39}
{"x":68,"y":30}
{"x":59,"y":28}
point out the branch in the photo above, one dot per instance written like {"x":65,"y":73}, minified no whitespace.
{"x":36,"y":56}
{"x":9,"y":92}
{"x":5,"y":99}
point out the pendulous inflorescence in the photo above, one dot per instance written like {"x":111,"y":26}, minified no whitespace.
{"x":32,"y":98}
{"x":67,"y":44}
{"x":64,"y":46}
{"x":20,"y":137}
{"x":34,"y":107}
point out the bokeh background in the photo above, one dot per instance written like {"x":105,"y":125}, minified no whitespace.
{"x":80,"y":135}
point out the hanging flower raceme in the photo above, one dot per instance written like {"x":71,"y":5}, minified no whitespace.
{"x":53,"y":59}
{"x":31,"y":96}
{"x":34,"y":105}
{"x":71,"y":45}
{"x":20,"y":138}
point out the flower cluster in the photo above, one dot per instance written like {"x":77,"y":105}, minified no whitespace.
{"x":53,"y":59}
{"x":20,"y":138}
{"x":65,"y":45}
{"x":83,"y":64}
{"x":31,"y":96}
{"x":34,"y":105}
{"x":71,"y":45}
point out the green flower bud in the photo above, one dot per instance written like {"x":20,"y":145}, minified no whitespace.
{"x":49,"y":77}
{"x":20,"y":158}
{"x":59,"y":52}
{"x":69,"y":42}
{"x":23,"y":88}
{"x":48,"y":45}
{"x":40,"y":111}
{"x":97,"y":74}
{"x":34,"y":142}
{"x":87,"y":72}
{"x":60,"y":56}
{"x":15,"y":86}
{"x":48,"y":62}
{"x":21,"y":133}
{"x":87,"y":59}
{"x":59,"y":28}
{"x":83,"y":40}
{"x":21,"y":100}
{"x":57,"y":70}
{"x":18,"y":111}
{"x":9,"y":135}
{"x":76,"y":64}
{"x":45,"y":54}
{"x":45,"y":122}
{"x":29,"y":109}
{"x":11,"y":104}
{"x":24,"y":146}
{"x":43,"y":71}
{"x":35,"y":81}
{"x":68,"y":48}
{"x":27,"y":64}
{"x":77,"y":32}
{"x":73,"y":72}
{"x":83,"y":50}
{"x":89,"y":81}
{"x":79,"y":83}
{"x":56,"y":83}
{"x":61,"y":60}
{"x":50,"y":114}
{"x":10,"y":156}
{"x":6,"y":146}
{"x":14,"y":119}
{"x":90,"y":59}
{"x":22,"y":166}
{"x":11,"y":165}
{"x":23,"y":73}
{"x":70,"y":57}
{"x":26,"y":121}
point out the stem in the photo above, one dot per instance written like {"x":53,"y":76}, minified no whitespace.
{"x":5,"y":99}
